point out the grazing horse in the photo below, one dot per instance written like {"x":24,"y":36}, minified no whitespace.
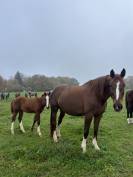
{"x":88,"y":100}
{"x":129,"y":105}
{"x":29,"y":105}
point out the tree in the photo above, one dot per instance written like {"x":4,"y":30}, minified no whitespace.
{"x":19,"y":77}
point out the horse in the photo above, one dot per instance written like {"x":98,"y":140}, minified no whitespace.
{"x":32,"y":94}
{"x":2,"y":96}
{"x":17,"y":94}
{"x":7,"y":95}
{"x":29,"y":105}
{"x":129,"y":105}
{"x":88,"y":100}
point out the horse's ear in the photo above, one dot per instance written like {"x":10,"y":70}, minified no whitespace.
{"x":112,"y":73}
{"x":49,"y":93}
{"x":43,"y":94}
{"x":123,"y":73}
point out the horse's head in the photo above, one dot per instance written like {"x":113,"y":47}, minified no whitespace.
{"x":116,"y":88}
{"x":47,"y":96}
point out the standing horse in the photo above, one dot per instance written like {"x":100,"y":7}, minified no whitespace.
{"x":29,"y":105}
{"x":88,"y":100}
{"x":129,"y":105}
{"x":32,"y":94}
{"x":7,"y":95}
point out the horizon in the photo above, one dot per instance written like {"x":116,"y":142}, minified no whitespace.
{"x":83,"y":40}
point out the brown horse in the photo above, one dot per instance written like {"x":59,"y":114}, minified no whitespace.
{"x":29,"y":105}
{"x":88,"y":100}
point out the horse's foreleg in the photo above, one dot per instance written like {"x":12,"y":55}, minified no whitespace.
{"x":62,"y":114}
{"x":12,"y":123}
{"x":87,"y":124}
{"x":20,"y":121}
{"x":96,"y":126}
{"x":53,"y":123}
{"x":35,"y":120}
{"x":38,"y":125}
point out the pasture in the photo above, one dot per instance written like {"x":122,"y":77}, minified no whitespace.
{"x":28,"y":155}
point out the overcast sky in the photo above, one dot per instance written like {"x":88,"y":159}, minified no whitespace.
{"x":77,"y":38}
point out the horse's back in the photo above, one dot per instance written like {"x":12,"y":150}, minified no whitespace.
{"x":24,"y":104}
{"x":69,"y":99}
{"x":56,"y":93}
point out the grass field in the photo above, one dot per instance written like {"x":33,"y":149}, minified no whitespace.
{"x":28,"y":155}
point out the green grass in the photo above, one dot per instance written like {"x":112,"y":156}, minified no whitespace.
{"x":28,"y":155}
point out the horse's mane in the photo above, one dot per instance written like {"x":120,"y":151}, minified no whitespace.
{"x":97,"y":85}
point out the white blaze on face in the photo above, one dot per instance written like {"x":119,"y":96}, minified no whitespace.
{"x":47,"y":101}
{"x":117,"y":90}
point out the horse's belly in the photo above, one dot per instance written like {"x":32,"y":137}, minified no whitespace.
{"x":72,"y":108}
{"x":28,"y":109}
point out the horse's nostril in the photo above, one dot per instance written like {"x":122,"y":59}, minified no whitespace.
{"x":117,"y":107}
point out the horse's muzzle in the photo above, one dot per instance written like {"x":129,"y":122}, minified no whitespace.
{"x":117,"y":107}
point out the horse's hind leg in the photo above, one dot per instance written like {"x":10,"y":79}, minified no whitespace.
{"x":38,"y":125}
{"x":87,"y":124}
{"x":20,"y":121}
{"x":12,"y":123}
{"x":96,"y":126}
{"x":62,"y":114}
{"x":37,"y":119}
{"x":54,"y":110}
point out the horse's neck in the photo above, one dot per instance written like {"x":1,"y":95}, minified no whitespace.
{"x":103,"y":91}
{"x":42,"y":100}
{"x":100,"y":88}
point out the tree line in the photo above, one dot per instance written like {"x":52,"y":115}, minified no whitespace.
{"x":129,"y":82}
{"x":20,"y":82}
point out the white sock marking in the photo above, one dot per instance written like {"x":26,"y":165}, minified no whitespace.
{"x":83,"y":145}
{"x":117,"y":90}
{"x":94,"y":142}
{"x":21,"y":127}
{"x":12,"y":128}
{"x":47,"y":101}
{"x":58,"y":131}
{"x":130,"y":120}
{"x":55,"y":137}
{"x":39,"y":131}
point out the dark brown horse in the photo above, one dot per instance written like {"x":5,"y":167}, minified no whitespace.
{"x":29,"y":105}
{"x":88,"y":100}
{"x":129,"y":105}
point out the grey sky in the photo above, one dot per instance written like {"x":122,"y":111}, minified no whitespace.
{"x":77,"y":38}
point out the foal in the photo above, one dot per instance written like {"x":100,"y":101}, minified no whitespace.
{"x":29,"y":105}
{"x":88,"y":100}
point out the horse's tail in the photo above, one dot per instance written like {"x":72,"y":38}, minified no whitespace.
{"x":52,"y":121}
